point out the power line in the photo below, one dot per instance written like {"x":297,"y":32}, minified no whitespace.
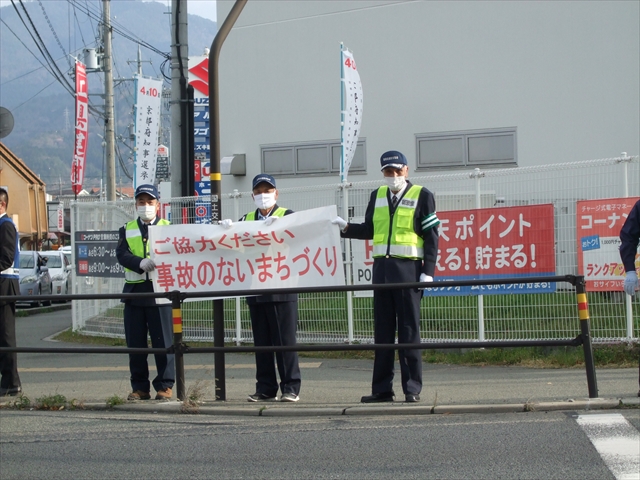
{"x":42,"y":47}
{"x":55,"y":35}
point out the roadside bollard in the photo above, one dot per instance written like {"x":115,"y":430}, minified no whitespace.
{"x":176,"y":310}
{"x":583,"y":314}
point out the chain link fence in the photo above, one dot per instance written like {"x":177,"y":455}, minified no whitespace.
{"x":337,"y":317}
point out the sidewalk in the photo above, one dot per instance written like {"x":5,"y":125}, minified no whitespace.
{"x":334,"y":387}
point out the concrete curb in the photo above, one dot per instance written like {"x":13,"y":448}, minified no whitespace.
{"x":297,"y":410}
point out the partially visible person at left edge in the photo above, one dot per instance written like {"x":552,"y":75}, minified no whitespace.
{"x":629,"y":239}
{"x":9,"y":286}
{"x":143,"y":315}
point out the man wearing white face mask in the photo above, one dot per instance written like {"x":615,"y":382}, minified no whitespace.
{"x":401,"y":219}
{"x":143,"y":316}
{"x":274,"y":318}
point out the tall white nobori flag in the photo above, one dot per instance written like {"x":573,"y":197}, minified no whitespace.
{"x":351,"y":111}
{"x":147,"y":125}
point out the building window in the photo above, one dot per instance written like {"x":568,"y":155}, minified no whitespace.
{"x":491,"y":147}
{"x":317,"y":158}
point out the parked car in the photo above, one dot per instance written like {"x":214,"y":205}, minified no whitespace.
{"x":34,"y":276}
{"x":67,"y":253}
{"x":59,"y":270}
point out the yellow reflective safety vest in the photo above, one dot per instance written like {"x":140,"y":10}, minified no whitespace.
{"x":278,"y":213}
{"x":397,"y":239}
{"x":138,"y":247}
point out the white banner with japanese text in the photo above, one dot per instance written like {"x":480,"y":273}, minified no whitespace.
{"x":352,"y":112}
{"x":599,"y":223}
{"x":298,"y":250}
{"x":81,"y":129}
{"x":147,"y":124}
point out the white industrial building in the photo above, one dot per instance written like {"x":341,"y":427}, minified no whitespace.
{"x":454,"y":85}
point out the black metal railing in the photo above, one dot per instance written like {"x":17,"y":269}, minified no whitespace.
{"x":179,"y":348}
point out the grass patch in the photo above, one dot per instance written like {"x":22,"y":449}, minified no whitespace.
{"x":114,"y":400}
{"x":56,"y":402}
{"x":69,"y":336}
{"x":615,"y":355}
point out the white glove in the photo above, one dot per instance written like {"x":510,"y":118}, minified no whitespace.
{"x":147,"y":265}
{"x":631,"y":282}
{"x":342,"y":223}
{"x":227,"y":223}
{"x":269,"y":220}
{"x":425,"y":278}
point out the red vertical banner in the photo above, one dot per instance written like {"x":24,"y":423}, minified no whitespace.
{"x":599,"y":223}
{"x":81,"y":130}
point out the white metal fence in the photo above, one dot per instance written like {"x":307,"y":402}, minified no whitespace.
{"x":327,"y":318}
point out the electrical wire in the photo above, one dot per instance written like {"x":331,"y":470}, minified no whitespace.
{"x":120,"y":30}
{"x":43,"y":49}
{"x":55,"y":35}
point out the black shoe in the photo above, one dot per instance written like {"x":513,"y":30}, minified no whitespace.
{"x":378,"y":397}
{"x":412,"y":398}
{"x":261,"y":397}
{"x":11,"y":391}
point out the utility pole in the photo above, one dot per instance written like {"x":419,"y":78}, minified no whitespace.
{"x":179,"y":72}
{"x":109,"y":120}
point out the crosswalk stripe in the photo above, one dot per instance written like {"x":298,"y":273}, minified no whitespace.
{"x":617,"y":442}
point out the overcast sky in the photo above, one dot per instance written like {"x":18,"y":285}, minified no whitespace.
{"x":203,"y":8}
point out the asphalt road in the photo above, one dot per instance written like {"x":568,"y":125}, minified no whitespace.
{"x":101,"y":445}
{"x":152,"y":444}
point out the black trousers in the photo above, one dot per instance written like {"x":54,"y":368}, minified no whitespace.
{"x":8,"y":361}
{"x":276,"y":324}
{"x":397,"y":310}
{"x":157,"y":322}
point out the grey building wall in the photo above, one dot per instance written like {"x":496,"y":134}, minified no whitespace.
{"x":564,"y":73}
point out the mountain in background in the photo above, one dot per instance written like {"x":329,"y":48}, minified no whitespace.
{"x":43,"y":110}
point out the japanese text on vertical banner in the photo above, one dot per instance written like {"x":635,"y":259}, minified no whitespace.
{"x":147,"y":124}
{"x":298,"y":250}
{"x":598,"y":224}
{"x":496,"y":243}
{"x":352,"y":114}
{"x":81,"y":130}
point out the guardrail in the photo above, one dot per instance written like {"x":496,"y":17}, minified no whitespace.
{"x":179,"y":348}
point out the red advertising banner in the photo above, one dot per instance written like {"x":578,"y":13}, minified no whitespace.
{"x":82,"y":129}
{"x":496,"y":243}
{"x":598,"y":232}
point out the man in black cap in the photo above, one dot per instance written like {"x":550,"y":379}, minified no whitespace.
{"x":401,"y":219}
{"x":143,"y":316}
{"x":274,"y":318}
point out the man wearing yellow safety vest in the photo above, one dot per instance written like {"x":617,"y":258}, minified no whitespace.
{"x":274,"y":318}
{"x":143,"y":316}
{"x":401,"y":219}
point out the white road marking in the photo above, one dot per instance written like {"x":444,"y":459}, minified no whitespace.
{"x":617,"y":442}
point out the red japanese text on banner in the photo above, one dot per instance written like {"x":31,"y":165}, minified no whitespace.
{"x":81,"y":129}
{"x":298,"y":250}
{"x":484,"y":243}
{"x":598,"y":234}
